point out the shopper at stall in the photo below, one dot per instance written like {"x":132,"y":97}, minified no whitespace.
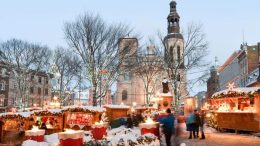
{"x":168,"y":126}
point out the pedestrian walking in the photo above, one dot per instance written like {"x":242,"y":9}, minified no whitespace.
{"x":168,"y":126}
{"x":197,"y":123}
{"x":202,"y":121}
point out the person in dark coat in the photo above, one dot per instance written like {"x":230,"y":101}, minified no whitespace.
{"x":129,"y":121}
{"x":202,"y":121}
{"x":168,"y":126}
{"x":197,"y":123}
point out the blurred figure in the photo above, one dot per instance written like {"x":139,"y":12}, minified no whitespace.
{"x":202,"y":121}
{"x":197,"y":123}
{"x":168,"y":126}
{"x":190,"y":123}
{"x":129,"y":121}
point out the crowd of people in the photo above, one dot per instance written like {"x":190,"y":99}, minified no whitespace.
{"x":194,"y":122}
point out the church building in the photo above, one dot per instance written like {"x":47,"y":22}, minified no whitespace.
{"x":131,"y":87}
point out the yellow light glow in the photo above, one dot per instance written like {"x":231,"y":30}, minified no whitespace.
{"x":149,"y":121}
{"x":35,"y":128}
{"x":70,"y":131}
{"x":99,"y":123}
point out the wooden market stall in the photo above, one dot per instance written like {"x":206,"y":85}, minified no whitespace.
{"x":237,"y":109}
{"x":52,"y":118}
{"x":82,"y":117}
{"x":13,"y":125}
{"x":117,"y":114}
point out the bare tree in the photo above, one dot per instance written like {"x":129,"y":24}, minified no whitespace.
{"x":66,"y":66}
{"x":148,"y":67}
{"x":192,"y":58}
{"x":96,"y":42}
{"x":24,"y":59}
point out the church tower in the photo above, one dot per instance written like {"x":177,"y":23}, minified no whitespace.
{"x":174,"y":50}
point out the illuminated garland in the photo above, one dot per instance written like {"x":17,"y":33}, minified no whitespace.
{"x":12,"y":117}
{"x":235,"y":94}
{"x":47,"y":113}
{"x":80,"y":110}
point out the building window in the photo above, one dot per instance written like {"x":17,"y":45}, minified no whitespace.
{"x":127,"y":76}
{"x":39,"y":91}
{"x":46,"y":91}
{"x":124,"y":95}
{"x":179,"y":54}
{"x":31,"y":90}
{"x":46,"y":80}
{"x":40,"y":80}
{"x":2,"y":100}
{"x":171,"y":53}
{"x":178,"y":77}
{"x":2,"y":86}
{"x":127,"y":50}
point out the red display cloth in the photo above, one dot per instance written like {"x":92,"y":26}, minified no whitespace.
{"x":71,"y":142}
{"x":154,"y":131}
{"x":99,"y":132}
{"x":39,"y":138}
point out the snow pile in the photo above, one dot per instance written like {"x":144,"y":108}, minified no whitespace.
{"x":121,"y":106}
{"x":52,"y":139}
{"x":34,"y":143}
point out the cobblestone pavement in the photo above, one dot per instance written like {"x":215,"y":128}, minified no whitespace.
{"x":221,"y":139}
{"x":214,"y":138}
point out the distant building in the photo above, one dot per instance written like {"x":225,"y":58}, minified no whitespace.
{"x":38,"y":94}
{"x":230,"y":72}
{"x":248,"y":60}
{"x":200,"y":98}
{"x":212,"y":82}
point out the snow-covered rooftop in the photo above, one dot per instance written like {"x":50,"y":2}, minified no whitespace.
{"x":91,"y":108}
{"x":245,"y":90}
{"x":117,"y":106}
{"x":23,"y":114}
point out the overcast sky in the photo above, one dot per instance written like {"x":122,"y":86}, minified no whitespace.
{"x":224,"y":21}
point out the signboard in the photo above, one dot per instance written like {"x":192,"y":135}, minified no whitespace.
{"x":80,"y":119}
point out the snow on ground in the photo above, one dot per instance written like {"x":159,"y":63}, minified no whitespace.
{"x":34,"y":143}
{"x":52,"y":139}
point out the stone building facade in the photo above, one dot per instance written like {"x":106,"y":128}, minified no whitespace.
{"x":38,"y":94}
{"x":130,"y":87}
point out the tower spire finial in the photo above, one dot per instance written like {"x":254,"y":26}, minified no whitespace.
{"x":173,"y":19}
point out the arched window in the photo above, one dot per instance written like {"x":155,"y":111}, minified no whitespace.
{"x":127,"y":50}
{"x":124,"y":95}
{"x":179,"y":54}
{"x":171,"y":53}
{"x":2,"y":85}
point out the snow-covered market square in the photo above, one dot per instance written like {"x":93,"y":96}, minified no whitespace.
{"x":129,"y":73}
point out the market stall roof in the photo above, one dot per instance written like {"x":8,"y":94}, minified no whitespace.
{"x":244,"y":90}
{"x":22,"y":114}
{"x":90,"y":108}
{"x":117,"y":106}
